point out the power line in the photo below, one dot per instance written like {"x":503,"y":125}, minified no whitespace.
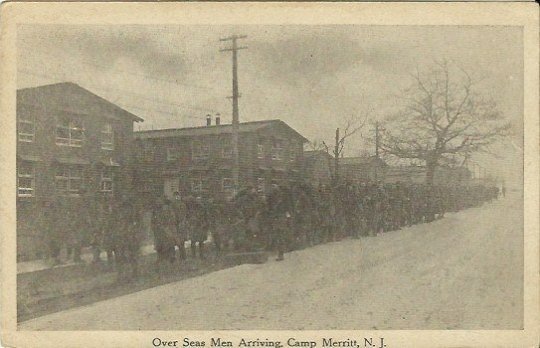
{"x":160,"y":101}
{"x":139,"y":95}
{"x":163,"y":112}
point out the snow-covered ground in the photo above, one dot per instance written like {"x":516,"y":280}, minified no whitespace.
{"x":462,"y":272}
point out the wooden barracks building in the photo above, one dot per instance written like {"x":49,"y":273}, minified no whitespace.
{"x":198,"y":160}
{"x":69,"y":140}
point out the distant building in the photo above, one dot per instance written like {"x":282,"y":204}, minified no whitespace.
{"x":452,"y":175}
{"x":198,"y":161}
{"x":405,"y":174}
{"x":69,"y":139}
{"x":318,"y":167}
{"x":362,"y":169}
{"x":417,"y":175}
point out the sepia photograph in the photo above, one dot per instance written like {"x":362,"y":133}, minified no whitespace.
{"x":259,"y":176}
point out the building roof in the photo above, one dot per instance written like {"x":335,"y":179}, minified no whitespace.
{"x":405,"y":170}
{"x":360,"y":161}
{"x":313,"y":153}
{"x":244,"y":127}
{"x":70,"y":97}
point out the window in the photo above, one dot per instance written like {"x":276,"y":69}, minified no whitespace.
{"x":292,"y":154}
{"x":260,"y":185}
{"x":227,"y":184}
{"x":25,"y":179}
{"x":260,"y":151}
{"x":107,"y":176}
{"x":147,"y":151}
{"x":146,"y":186}
{"x":277,"y":150}
{"x":107,"y":137}
{"x":199,"y":150}
{"x":69,"y":132}
{"x":26,"y":129}
{"x":275,"y":183}
{"x":68,"y":178}
{"x":171,"y":154}
{"x":196,"y":185}
{"x":170,"y":187}
{"x":227,"y":150}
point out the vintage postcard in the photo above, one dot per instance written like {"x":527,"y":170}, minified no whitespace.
{"x":352,"y":175}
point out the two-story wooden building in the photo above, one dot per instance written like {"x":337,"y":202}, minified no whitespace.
{"x":69,"y":140}
{"x":199,"y":161}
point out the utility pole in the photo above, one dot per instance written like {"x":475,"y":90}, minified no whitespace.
{"x":377,"y":146}
{"x":235,"y":95}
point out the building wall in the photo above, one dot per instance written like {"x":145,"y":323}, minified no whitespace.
{"x":318,"y":169}
{"x":162,"y":174}
{"x":45,"y":153}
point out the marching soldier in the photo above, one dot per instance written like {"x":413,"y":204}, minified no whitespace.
{"x":199,"y":228}
{"x":280,"y":215}
{"x":109,"y":232}
{"x":181,"y":223}
{"x":51,"y":230}
{"x":96,"y":241}
{"x":130,"y":233}
{"x":221,"y":231}
{"x":164,"y":228}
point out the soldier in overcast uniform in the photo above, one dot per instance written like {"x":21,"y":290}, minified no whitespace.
{"x":109,"y":238}
{"x":53,"y":236}
{"x":130,"y":233}
{"x":280,"y":215}
{"x":199,"y":227}
{"x":180,"y":214}
{"x":164,"y":228}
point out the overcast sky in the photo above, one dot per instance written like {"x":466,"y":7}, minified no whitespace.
{"x":312,"y":77}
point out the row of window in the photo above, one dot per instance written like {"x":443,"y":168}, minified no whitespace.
{"x":277,"y":152}
{"x":69,"y":132}
{"x":199,"y":185}
{"x":201,"y":151}
{"x":68,"y":179}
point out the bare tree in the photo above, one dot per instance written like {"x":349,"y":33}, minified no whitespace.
{"x":444,"y":117}
{"x":352,"y":126}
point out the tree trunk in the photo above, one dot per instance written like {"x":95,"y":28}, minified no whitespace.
{"x":336,"y":160}
{"x":431,"y":165}
{"x":430,"y":174}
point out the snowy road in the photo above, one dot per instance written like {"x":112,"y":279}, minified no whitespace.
{"x":462,"y":272}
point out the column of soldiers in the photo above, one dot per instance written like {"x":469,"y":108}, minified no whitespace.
{"x":98,"y":223}
{"x":286,"y":218}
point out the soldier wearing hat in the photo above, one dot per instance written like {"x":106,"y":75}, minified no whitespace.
{"x":130,"y":233}
{"x":280,"y":212}
{"x":49,"y":225}
{"x":179,"y":209}
{"x":199,"y":227}
{"x":164,"y":227}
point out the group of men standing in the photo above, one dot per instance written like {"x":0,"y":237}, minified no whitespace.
{"x":287,"y":217}
{"x":294,"y":216}
{"x":176,"y":221}
{"x":99,"y":222}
